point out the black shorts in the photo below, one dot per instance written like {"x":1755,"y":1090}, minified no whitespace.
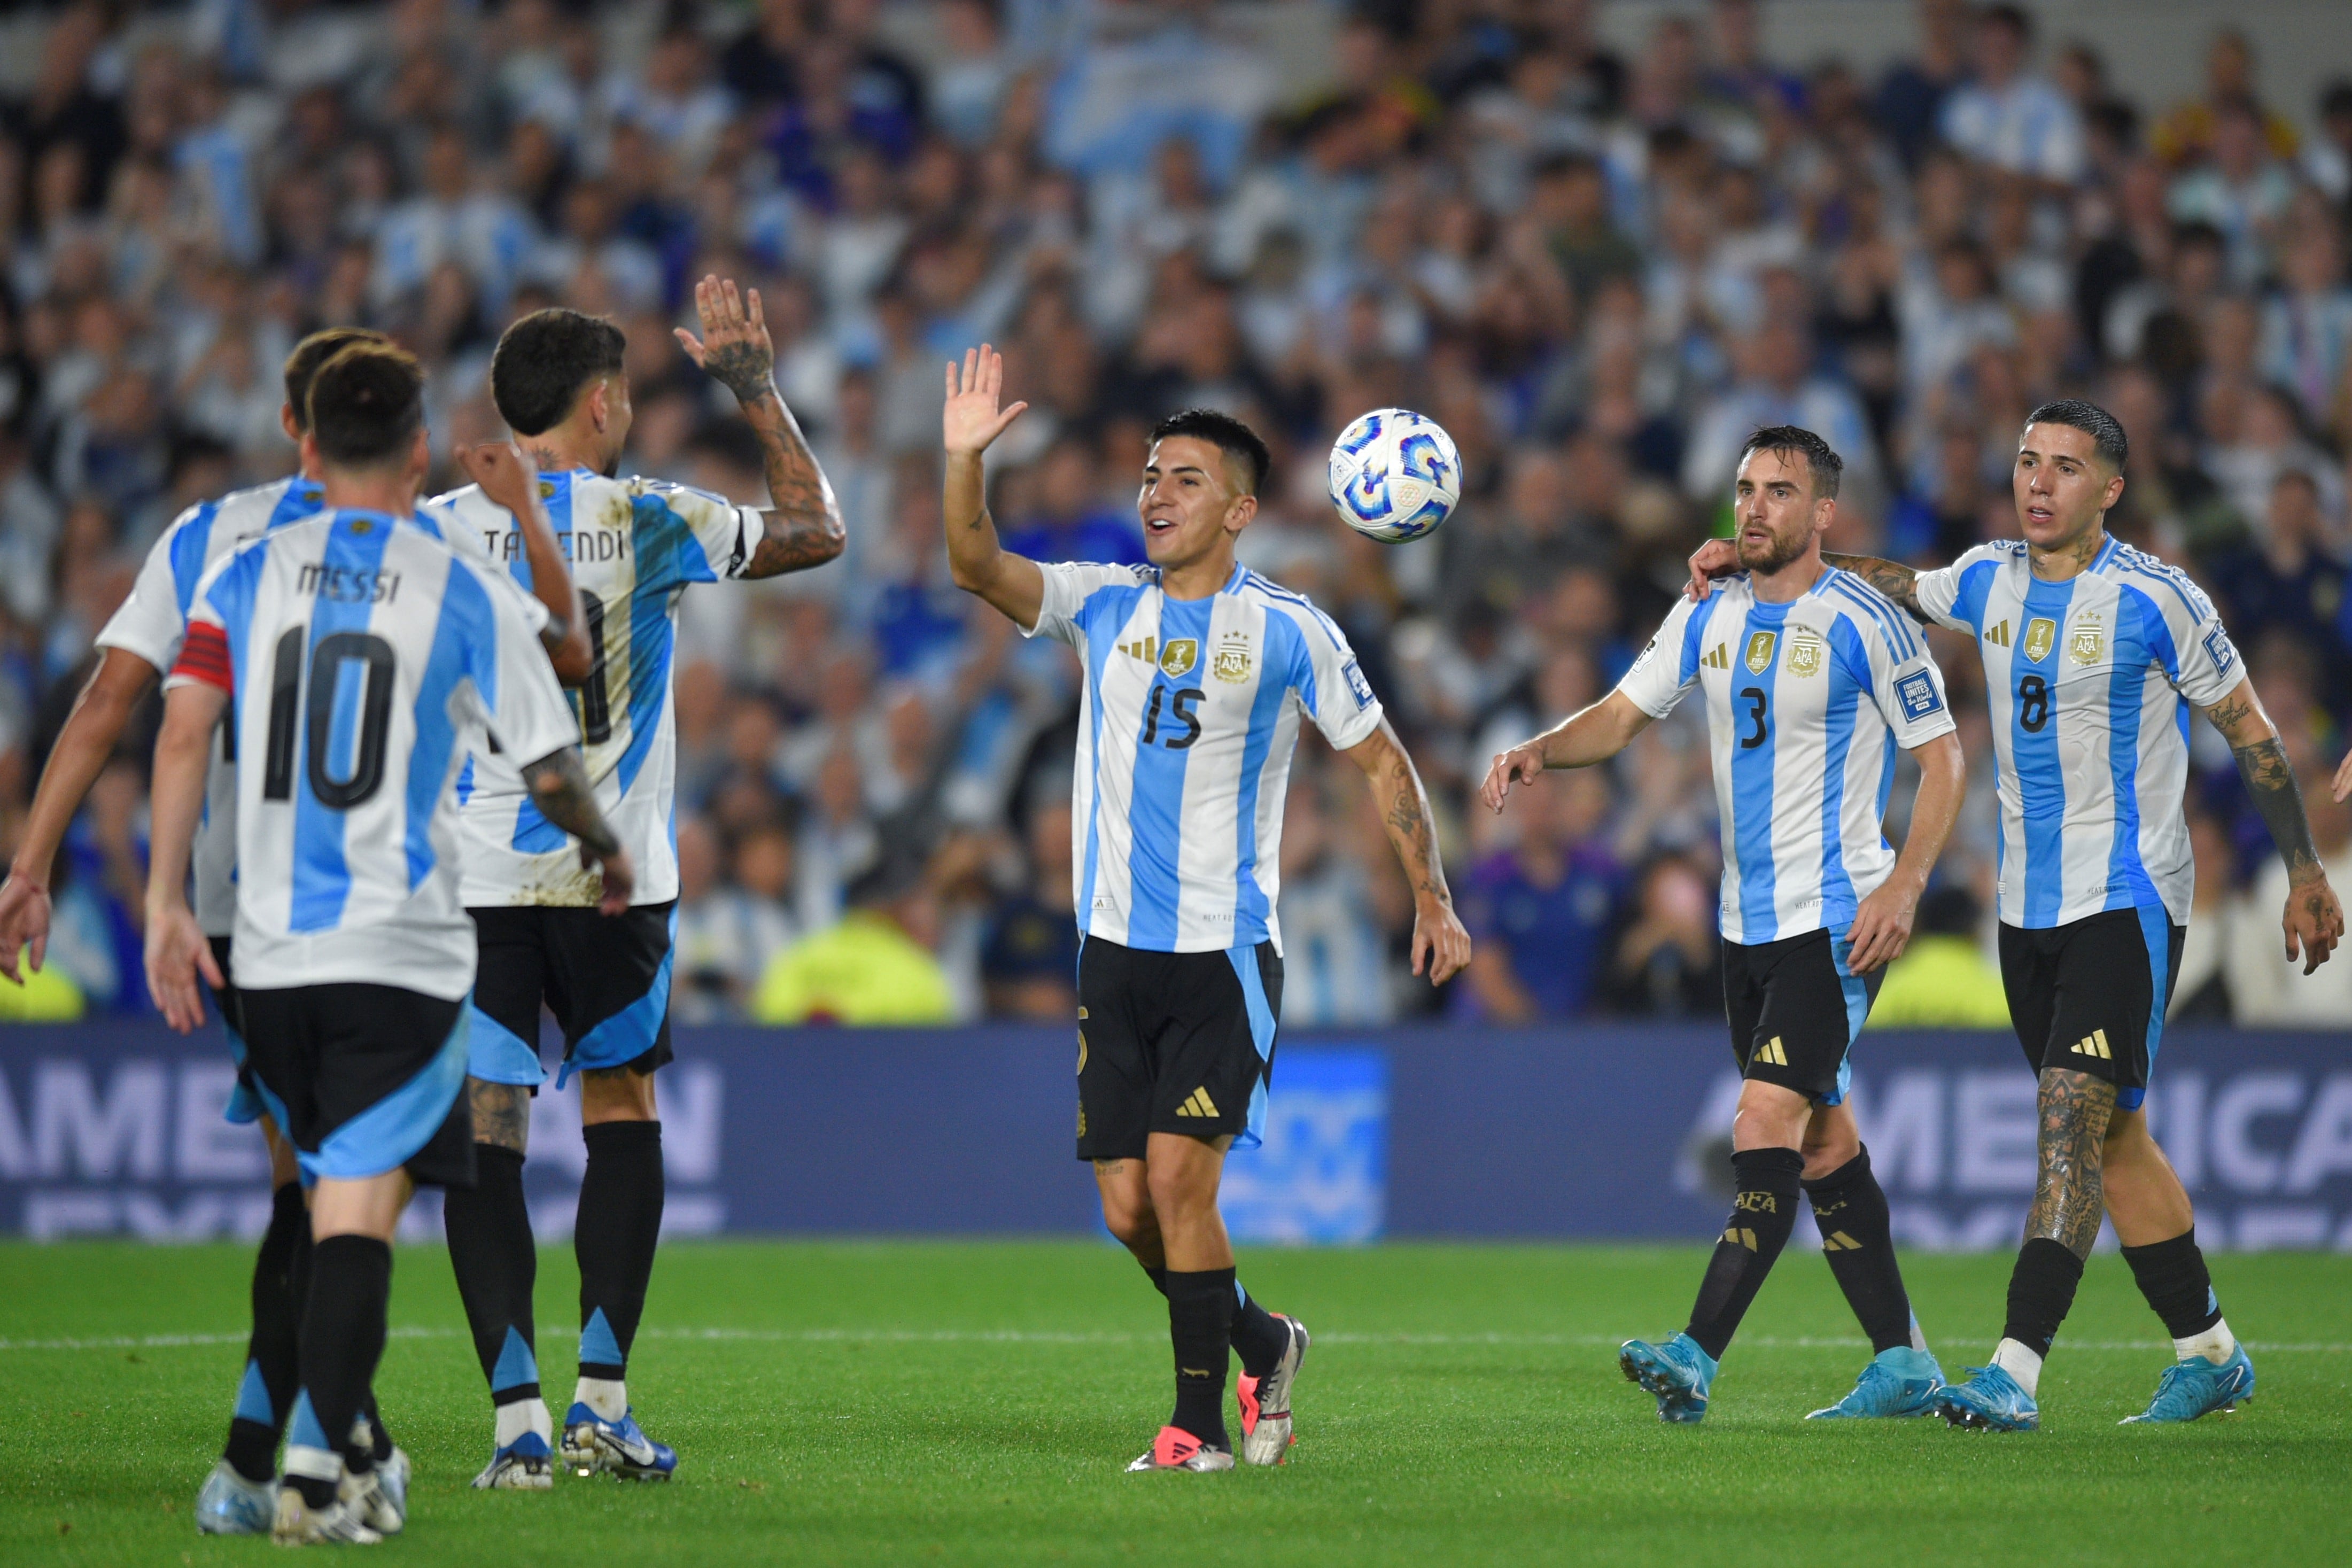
{"x":1173,"y":1042}
{"x":1795,"y":1012}
{"x":247,"y":1103}
{"x":365,"y":1078}
{"x":2084,"y":996}
{"x":605,"y":978}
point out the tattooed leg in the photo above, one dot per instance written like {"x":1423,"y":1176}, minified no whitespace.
{"x":501,"y":1113}
{"x":2068,"y":1199}
{"x":495,"y":1258}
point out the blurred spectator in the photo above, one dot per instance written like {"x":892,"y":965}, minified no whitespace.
{"x":1029,"y":959}
{"x":2189,"y":131}
{"x":1540,"y":913}
{"x":2291,"y":576}
{"x":1335,"y":958}
{"x":1943,"y":980}
{"x":2265,"y":986}
{"x":2201,"y":992}
{"x":877,"y":966}
{"x":2007,"y":117}
{"x":728,"y":934}
{"x":1669,"y":962}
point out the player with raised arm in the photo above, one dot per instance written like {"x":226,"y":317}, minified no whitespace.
{"x":140,"y":644}
{"x":1810,"y":680}
{"x":1198,"y":673}
{"x":634,"y":545}
{"x":354,"y":658}
{"x":2090,"y":649}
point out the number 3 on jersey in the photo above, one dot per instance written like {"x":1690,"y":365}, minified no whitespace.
{"x":347,"y":715}
{"x":1760,"y":710}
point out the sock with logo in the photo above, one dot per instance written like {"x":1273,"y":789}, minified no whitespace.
{"x":342,"y":1339}
{"x":495,"y":1259}
{"x":2041,"y":1294}
{"x":265,"y":1396}
{"x":1858,"y":1239}
{"x":1259,"y":1338}
{"x":2172,"y":1275}
{"x":1201,"y":1327}
{"x":1762,"y":1215}
{"x":619,"y":1225}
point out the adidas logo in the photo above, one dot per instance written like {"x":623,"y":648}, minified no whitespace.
{"x":2095,"y":1044}
{"x":1739,"y":1237}
{"x":1145,"y":648}
{"x":1769,"y":1054}
{"x":1838,"y":1241}
{"x":1999,"y":635}
{"x":1718,"y":657}
{"x":1199,"y":1104}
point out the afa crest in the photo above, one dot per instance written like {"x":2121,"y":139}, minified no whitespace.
{"x":2041,"y":636}
{"x":1179,"y":654}
{"x":2087,"y":644}
{"x":1232,"y":663}
{"x":1759,"y":651}
{"x":1805,"y":650}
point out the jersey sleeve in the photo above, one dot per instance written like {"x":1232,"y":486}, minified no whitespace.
{"x":521,"y":703}
{"x":1954,"y":597}
{"x":150,"y":621}
{"x":710,"y":538}
{"x":1669,"y":666}
{"x":1902,"y":675}
{"x":2207,"y":667}
{"x":1068,"y":585}
{"x":1330,"y":683}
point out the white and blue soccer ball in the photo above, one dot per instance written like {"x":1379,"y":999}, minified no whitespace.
{"x":1395,"y":475}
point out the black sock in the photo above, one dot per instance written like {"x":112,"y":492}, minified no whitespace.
{"x":342,"y":1339}
{"x":1259,"y":1338}
{"x":1761,"y":1218}
{"x":495,"y":1260}
{"x":272,"y":1364}
{"x":1849,"y":1207}
{"x":2172,"y":1275}
{"x":370,"y":1445}
{"x":1201,"y":1327}
{"x":2041,"y":1292}
{"x":620,"y":1222}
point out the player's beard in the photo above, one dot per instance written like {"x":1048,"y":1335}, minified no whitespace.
{"x":1784,"y":549}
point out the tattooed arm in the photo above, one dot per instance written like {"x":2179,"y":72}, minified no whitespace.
{"x":2313,"y":921}
{"x":2070,"y":1193}
{"x":1899,"y":582}
{"x":1438,"y":936}
{"x":559,"y":788}
{"x":804,"y":527}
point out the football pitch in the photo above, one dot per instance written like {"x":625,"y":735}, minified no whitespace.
{"x":953,"y":1402}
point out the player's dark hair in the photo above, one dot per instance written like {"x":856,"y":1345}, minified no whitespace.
{"x":367,"y":402}
{"x":545,"y":360}
{"x":2106,"y":431}
{"x":2014,"y":18}
{"x":1225,"y":433}
{"x":1821,"y":457}
{"x":308,"y":355}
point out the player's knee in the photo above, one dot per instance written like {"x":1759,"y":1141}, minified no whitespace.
{"x":616,"y":1094}
{"x":1183,"y":1187}
{"x":1129,"y":1218}
{"x":1769,"y":1117}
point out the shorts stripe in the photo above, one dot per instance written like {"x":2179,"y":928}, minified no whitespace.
{"x":387,"y":1134}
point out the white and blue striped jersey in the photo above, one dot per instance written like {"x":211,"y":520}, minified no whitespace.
{"x":1806,"y":703}
{"x":365,"y":658}
{"x":2085,"y":681}
{"x":155,"y":618}
{"x":633,"y":544}
{"x":1190,"y":713}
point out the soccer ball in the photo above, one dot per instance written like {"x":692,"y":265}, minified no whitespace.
{"x":1395,"y":475}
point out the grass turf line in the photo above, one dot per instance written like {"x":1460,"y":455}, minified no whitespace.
{"x":973,"y":1403}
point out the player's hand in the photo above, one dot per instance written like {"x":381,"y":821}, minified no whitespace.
{"x":2314,"y":922}
{"x":1716,"y":558}
{"x":2343,"y":784}
{"x":1882,"y":928}
{"x":1440,"y":942}
{"x":505,"y":472}
{"x":734,"y":349}
{"x":23,"y":923}
{"x":177,"y":953}
{"x":1521,"y":764}
{"x":619,"y":879}
{"x":971,"y":420}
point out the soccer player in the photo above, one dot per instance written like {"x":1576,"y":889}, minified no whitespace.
{"x":1810,"y":680}
{"x":1197,"y":675}
{"x":634,"y":545}
{"x":140,"y":644}
{"x":2090,"y":649}
{"x":353,"y":657}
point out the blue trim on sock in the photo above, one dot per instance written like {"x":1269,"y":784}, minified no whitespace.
{"x":253,"y":1403}
{"x":515,"y":1365}
{"x":598,"y":1346}
{"x":304,"y":1431}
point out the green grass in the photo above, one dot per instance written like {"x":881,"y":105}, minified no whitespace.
{"x":973,"y":1403}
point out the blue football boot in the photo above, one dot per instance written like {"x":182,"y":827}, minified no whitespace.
{"x":1991,"y":1400}
{"x":1677,"y":1372}
{"x":231,"y":1505}
{"x":1899,"y":1381}
{"x":2195,"y":1387}
{"x":619,"y":1447}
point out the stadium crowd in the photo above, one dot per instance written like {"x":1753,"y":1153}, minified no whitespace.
{"x":1598,"y":272}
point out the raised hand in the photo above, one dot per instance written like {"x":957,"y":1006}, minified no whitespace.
{"x":1716,"y":558}
{"x":505,"y":473}
{"x":734,"y":349}
{"x":2314,"y":922}
{"x":971,"y":420}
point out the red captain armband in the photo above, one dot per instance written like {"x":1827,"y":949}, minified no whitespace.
{"x":205,"y":657}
